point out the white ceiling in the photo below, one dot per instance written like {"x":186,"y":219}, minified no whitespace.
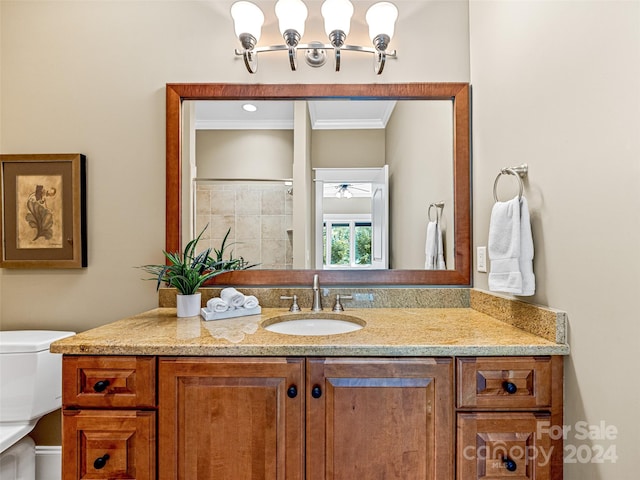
{"x":278,"y":114}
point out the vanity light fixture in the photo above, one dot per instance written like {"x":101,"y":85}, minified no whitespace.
{"x":292,"y":14}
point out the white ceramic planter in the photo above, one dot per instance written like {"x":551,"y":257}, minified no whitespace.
{"x":188,"y":305}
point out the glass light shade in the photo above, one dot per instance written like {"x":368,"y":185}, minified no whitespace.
{"x":247,"y":18}
{"x":337,"y":15}
{"x":381,"y":18}
{"x":291,"y":15}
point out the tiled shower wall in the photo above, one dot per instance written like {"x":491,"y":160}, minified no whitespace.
{"x":259,"y":215}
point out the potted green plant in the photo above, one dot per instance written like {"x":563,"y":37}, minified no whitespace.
{"x":188,"y":271}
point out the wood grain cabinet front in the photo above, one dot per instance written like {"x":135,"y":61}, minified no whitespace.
{"x":231,"y":418}
{"x":109,"y":382}
{"x":315,"y":419}
{"x":107,"y":444}
{"x":518,"y":382}
{"x":503,"y":445}
{"x":507,"y":407}
{"x":312,"y":418}
{"x":109,"y":417}
{"x":386,"y":418}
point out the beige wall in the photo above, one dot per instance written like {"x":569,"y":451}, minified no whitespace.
{"x":302,"y":235}
{"x":347,"y":148}
{"x":557,"y":85}
{"x":249,"y":154}
{"x":90,"y":77}
{"x":420,"y":157}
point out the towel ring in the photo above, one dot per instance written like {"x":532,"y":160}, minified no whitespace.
{"x":519,"y":172}
{"x":438,"y":205}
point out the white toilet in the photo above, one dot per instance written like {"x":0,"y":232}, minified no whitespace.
{"x":30,"y":387}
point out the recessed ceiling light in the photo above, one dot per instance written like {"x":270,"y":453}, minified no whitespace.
{"x":249,"y":107}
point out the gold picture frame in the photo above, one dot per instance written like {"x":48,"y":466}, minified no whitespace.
{"x":43,"y":211}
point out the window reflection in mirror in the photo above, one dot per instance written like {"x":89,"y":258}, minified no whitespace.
{"x":346,"y":225}
{"x":345,"y":196}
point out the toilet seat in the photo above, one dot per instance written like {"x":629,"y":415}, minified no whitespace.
{"x":11,"y":433}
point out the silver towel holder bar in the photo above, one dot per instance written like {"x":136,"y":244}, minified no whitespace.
{"x":519,"y":172}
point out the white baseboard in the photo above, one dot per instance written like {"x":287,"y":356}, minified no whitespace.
{"x":48,"y":462}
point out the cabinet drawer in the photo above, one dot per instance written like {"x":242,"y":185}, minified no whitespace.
{"x":503,"y":445}
{"x":505,"y":382}
{"x":108,"y":382}
{"x":103,"y":444}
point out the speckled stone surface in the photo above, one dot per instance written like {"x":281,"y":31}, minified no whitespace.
{"x":388,"y":332}
{"x":542,"y":321}
{"x":362,"y":297}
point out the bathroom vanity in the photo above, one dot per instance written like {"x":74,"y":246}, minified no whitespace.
{"x":428,"y":393}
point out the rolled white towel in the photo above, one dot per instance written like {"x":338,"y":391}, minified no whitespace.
{"x":217,"y":305}
{"x":250,"y":301}
{"x":233,"y":297}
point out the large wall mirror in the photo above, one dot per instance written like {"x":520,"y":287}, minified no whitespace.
{"x":302,"y":172}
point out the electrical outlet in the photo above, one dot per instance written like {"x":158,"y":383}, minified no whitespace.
{"x":481,"y":259}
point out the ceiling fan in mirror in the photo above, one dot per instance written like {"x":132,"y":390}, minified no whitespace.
{"x":347,"y":190}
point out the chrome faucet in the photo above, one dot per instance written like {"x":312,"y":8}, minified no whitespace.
{"x":337,"y":307}
{"x":317,"y":301}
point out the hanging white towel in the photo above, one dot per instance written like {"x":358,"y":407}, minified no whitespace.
{"x":440,"y":263}
{"x":431,"y":247}
{"x":511,"y":248}
{"x":433,"y":250}
{"x":233,"y":297}
{"x":526,"y":251}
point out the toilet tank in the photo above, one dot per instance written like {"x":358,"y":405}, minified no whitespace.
{"x":30,"y":376}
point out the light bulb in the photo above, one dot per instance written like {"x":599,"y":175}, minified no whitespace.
{"x":381,"y":18}
{"x":337,"y":16}
{"x":291,"y":15}
{"x":247,"y":19}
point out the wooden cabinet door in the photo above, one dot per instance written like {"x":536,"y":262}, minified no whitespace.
{"x":108,"y":444}
{"x":376,"y":418}
{"x":504,"y":445}
{"x":231,"y":418}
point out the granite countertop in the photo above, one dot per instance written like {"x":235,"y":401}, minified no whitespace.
{"x":388,"y":332}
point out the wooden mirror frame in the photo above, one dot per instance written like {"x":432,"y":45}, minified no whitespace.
{"x":176,"y":93}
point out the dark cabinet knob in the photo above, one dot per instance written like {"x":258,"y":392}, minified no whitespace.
{"x":101,"y":386}
{"x":509,"y":387}
{"x":100,"y":462}
{"x":292,"y":391}
{"x":509,"y":464}
{"x":316,"y":391}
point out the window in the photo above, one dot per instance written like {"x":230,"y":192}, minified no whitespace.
{"x":346,"y":241}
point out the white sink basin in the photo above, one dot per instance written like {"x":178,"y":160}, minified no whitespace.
{"x":314,"y":324}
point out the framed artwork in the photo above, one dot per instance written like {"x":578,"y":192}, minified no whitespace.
{"x":43,"y":210}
